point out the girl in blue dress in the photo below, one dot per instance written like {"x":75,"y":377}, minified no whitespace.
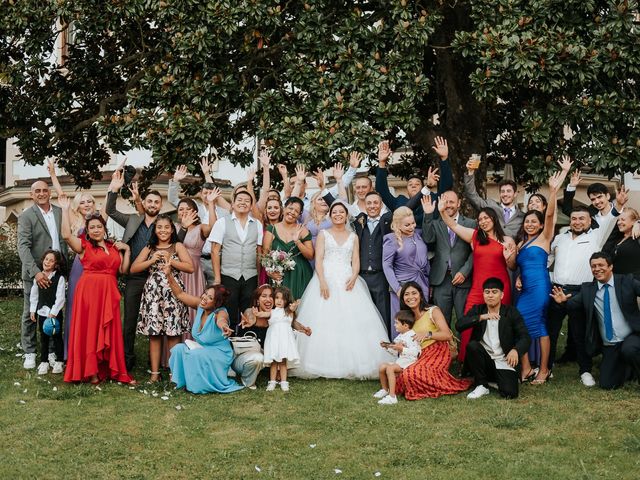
{"x":201,"y":366}
{"x":533,"y":250}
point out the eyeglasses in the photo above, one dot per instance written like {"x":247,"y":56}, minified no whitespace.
{"x":92,"y":216}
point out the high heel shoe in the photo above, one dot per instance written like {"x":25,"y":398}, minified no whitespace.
{"x":158,"y":376}
{"x":531,"y":374}
{"x":541,"y":381}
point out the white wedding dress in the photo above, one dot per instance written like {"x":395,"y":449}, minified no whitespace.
{"x":346,"y":328}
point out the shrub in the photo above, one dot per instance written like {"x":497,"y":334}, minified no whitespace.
{"x":10,"y":265}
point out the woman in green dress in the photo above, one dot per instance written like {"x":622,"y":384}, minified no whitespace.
{"x":289,"y":236}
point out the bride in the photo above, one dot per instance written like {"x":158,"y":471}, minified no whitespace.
{"x":347,"y":328}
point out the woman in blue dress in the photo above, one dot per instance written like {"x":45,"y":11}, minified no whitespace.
{"x":536,"y":235}
{"x":201,"y":365}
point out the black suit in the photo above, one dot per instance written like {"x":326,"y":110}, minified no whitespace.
{"x":617,"y":358}
{"x":512,"y":333}
{"x":371,"y":261}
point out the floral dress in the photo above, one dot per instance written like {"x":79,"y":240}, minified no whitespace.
{"x":161,"y":313}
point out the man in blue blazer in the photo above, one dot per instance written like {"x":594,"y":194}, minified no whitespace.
{"x":610,"y":305}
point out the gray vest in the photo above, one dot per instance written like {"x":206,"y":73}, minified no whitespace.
{"x":237,"y":258}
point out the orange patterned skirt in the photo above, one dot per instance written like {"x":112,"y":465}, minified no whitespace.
{"x":429,"y":376}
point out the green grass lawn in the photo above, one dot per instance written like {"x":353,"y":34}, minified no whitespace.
{"x":556,"y":431}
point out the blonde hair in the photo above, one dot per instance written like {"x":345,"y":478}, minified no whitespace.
{"x":399,"y":214}
{"x":634,"y":213}
{"x":77,"y":220}
{"x":312,"y":209}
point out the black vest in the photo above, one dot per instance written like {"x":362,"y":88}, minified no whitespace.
{"x":47,"y":296}
{"x":371,"y":249}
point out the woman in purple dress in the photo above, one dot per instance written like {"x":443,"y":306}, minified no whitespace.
{"x":404,"y":258}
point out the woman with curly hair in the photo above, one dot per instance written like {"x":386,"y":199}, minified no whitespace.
{"x":404,"y":258}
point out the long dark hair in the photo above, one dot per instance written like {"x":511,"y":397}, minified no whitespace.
{"x":522,"y":236}
{"x":423,"y":301}
{"x":89,"y":218}
{"x":58,"y":257}
{"x":153,"y":239}
{"x":258,"y":291}
{"x":483,"y":238}
{"x":192,"y":206}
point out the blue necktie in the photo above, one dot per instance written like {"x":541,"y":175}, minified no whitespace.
{"x":608,"y":323}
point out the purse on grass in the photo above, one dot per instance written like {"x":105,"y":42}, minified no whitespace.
{"x":247,"y":343}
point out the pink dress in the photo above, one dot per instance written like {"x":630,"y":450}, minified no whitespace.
{"x":194,"y":283}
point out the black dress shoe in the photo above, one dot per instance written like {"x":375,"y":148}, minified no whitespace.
{"x":566,"y":358}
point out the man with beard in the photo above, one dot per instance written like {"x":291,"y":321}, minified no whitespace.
{"x":137,"y":230}
{"x":38,"y":231}
{"x":450,"y":274}
{"x":570,"y":253}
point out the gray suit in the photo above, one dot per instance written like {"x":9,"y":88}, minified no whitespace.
{"x":33,"y":240}
{"x":510,"y":228}
{"x":447,"y":261}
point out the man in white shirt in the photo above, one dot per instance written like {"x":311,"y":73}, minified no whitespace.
{"x":570,"y":253}
{"x":38,"y":231}
{"x":236,"y":246}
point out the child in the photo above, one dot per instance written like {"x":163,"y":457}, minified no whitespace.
{"x":280,"y":344}
{"x":408,"y":349}
{"x":47,"y":303}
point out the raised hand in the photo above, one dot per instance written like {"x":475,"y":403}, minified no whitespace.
{"x":574,"y":181}
{"x":555,"y":181}
{"x":338,"y":171}
{"x":188,"y":218}
{"x":427,"y":205}
{"x":301,"y":174}
{"x":565,"y":163}
{"x":432,"y":177}
{"x":180,"y":173}
{"x":205,"y":166}
{"x":264,"y":158}
{"x":354,"y":159}
{"x":319,"y":175}
{"x":245,"y":322}
{"x":251,"y":175}
{"x":117,"y":181}
{"x":297,"y":232}
{"x":213,"y":195}
{"x":441,"y":207}
{"x":64,"y":202}
{"x":441,"y":147}
{"x":135,"y":193}
{"x":622,"y":197}
{"x":384,"y":152}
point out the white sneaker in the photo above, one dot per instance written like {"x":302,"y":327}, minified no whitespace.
{"x":43,"y":368}
{"x":479,"y":391}
{"x":271,"y":386}
{"x":587,"y":379}
{"x":388,"y":400}
{"x":29,"y":360}
{"x":58,"y":367}
{"x":380,"y":393}
{"x":284,"y":386}
{"x":52,"y":359}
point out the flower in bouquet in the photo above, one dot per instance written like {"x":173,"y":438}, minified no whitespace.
{"x":278,"y":261}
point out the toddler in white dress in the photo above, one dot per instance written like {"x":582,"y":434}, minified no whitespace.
{"x":280,"y":348}
{"x":408,"y":350}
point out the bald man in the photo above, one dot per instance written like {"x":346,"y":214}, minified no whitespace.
{"x":38,"y":231}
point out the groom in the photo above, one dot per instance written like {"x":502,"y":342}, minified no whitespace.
{"x":371,"y":227}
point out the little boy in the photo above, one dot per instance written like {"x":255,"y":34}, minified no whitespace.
{"x":408,"y":350}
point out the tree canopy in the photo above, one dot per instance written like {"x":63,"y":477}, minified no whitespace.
{"x":315,"y":79}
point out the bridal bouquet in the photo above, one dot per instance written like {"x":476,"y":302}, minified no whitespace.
{"x":278,"y":261}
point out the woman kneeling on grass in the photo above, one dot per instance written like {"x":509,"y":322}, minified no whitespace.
{"x":201,"y":365}
{"x":429,"y":377}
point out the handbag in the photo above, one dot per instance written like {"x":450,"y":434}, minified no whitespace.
{"x":248,"y":343}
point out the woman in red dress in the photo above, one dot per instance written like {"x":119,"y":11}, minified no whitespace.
{"x":493,"y":254}
{"x":429,"y":376}
{"x":96,"y":350}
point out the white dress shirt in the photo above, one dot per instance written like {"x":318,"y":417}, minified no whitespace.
{"x":491,"y":343}
{"x":45,"y":311}
{"x":220,"y":227}
{"x":50,"y":220}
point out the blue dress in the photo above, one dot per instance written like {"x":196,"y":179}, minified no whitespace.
{"x":204,"y":370}
{"x":534,"y":297}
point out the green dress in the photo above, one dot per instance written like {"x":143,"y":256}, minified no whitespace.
{"x":297,"y":279}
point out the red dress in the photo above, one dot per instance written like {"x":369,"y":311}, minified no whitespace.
{"x":95,"y":341}
{"x":488,"y":261}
